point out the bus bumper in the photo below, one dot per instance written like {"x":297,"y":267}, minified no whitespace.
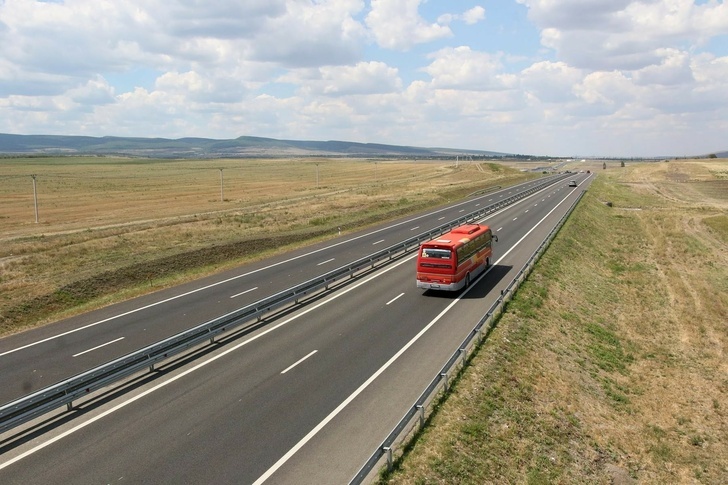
{"x":426,"y":285}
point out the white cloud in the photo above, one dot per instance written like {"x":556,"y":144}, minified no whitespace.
{"x":607,"y":88}
{"x":95,"y":92}
{"x":463,"y":68}
{"x":469,"y":17}
{"x":674,"y":69}
{"x":396,"y":24}
{"x":218,"y":19}
{"x":551,"y":82}
{"x":312,"y":34}
{"x":360,"y":79}
{"x":623,"y":34}
{"x":474,"y":15}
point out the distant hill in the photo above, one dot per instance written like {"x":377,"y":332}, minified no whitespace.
{"x":244,"y":146}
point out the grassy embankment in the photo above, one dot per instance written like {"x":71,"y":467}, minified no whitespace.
{"x":113,"y":228}
{"x":610,"y":364}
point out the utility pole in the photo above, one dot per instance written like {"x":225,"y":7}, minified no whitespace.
{"x":35,"y":199}
{"x":222,"y":194}
{"x":317,"y":176}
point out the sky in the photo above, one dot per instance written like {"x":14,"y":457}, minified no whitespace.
{"x":635,"y":78}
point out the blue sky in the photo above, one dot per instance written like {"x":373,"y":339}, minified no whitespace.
{"x":546,"y":77}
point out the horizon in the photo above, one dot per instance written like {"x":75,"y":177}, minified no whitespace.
{"x":464,"y":152}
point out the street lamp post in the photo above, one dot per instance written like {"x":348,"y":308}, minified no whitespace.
{"x":222,"y":193}
{"x":35,"y":199}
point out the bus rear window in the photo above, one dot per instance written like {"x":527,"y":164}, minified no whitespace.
{"x":436,"y":253}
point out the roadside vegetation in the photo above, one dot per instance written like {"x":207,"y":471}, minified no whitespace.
{"x":113,"y":228}
{"x":610,"y":365}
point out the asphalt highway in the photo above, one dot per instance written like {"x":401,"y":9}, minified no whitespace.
{"x":305,"y":398}
{"x":37,"y":358}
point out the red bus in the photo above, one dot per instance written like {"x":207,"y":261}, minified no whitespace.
{"x":454,"y":259}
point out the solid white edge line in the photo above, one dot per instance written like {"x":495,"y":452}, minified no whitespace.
{"x":298,"y":362}
{"x":97,"y":347}
{"x":386,"y":365}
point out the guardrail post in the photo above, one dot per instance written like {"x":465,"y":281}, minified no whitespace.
{"x":464,"y":353}
{"x":69,"y":406}
{"x":421,"y":410}
{"x":444,"y":378}
{"x":388,"y":452}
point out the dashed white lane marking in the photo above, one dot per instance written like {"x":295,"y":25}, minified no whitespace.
{"x":298,"y":362}
{"x":395,"y":298}
{"x":244,"y":292}
{"x":98,"y":347}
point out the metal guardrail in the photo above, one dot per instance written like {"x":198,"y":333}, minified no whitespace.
{"x":44,"y":400}
{"x":415,"y":417}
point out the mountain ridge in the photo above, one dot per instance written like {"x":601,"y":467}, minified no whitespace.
{"x":196,"y":147}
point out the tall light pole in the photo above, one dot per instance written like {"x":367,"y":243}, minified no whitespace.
{"x":35,"y":199}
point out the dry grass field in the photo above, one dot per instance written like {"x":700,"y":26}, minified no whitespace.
{"x":611,"y":364}
{"x":112,"y":228}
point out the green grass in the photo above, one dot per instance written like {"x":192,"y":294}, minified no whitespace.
{"x":719,"y":226}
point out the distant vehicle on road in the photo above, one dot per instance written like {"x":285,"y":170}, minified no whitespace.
{"x":454,"y":259}
{"x":572,"y":183}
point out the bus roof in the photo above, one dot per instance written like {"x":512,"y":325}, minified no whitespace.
{"x":459,"y":235}
{"x":467,"y":229}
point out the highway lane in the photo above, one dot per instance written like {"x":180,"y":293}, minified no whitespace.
{"x":40,"y":357}
{"x":331,"y":454}
{"x":233,"y":418}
